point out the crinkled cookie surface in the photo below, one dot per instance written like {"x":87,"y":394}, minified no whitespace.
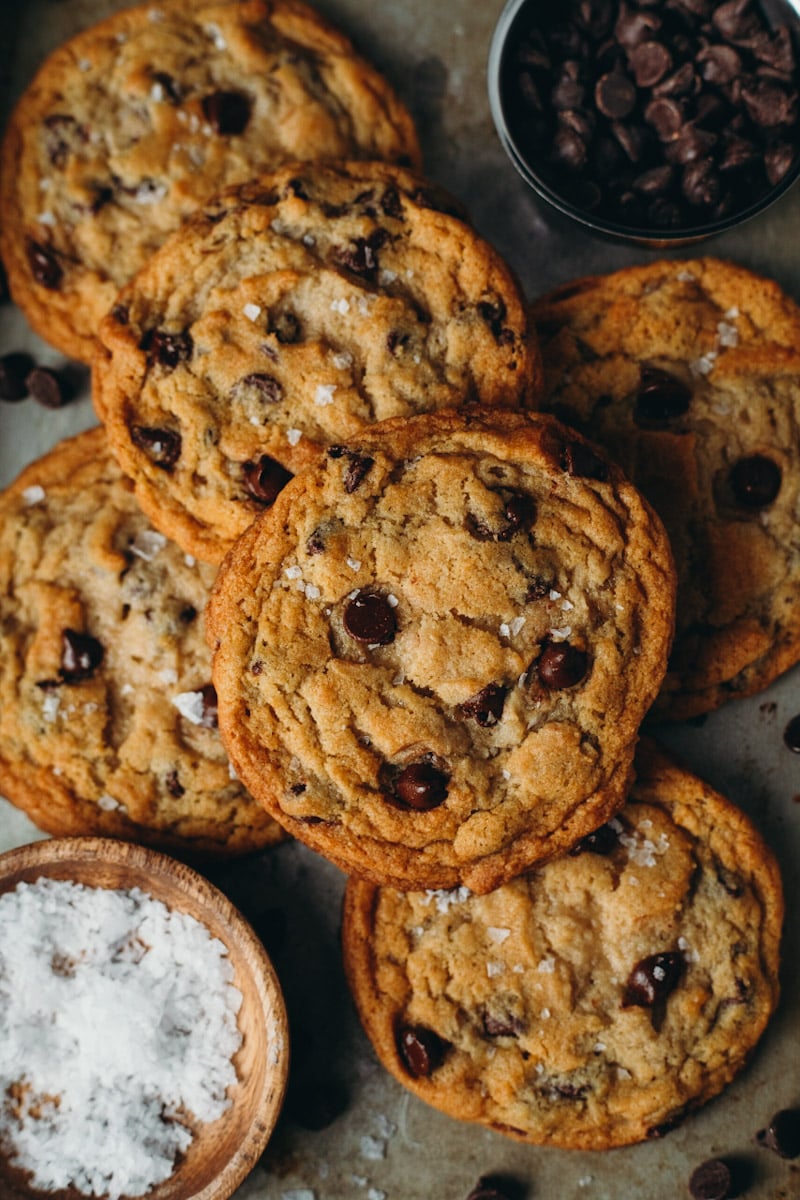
{"x":107,"y":712}
{"x":133,"y":123}
{"x":291,"y":313}
{"x":432,"y":655}
{"x":688,"y":373}
{"x":594,"y":1002}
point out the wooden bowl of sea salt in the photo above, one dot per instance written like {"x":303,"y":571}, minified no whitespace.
{"x":143,"y":1033}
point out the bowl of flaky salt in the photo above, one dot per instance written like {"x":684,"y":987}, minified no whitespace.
{"x":143,"y":1033}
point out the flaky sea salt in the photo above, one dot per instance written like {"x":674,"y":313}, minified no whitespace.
{"x":252,"y":311}
{"x":497,"y":935}
{"x":191,"y":706}
{"x":373,"y":1148}
{"x":50,"y":706}
{"x":33,"y":494}
{"x":444,"y":899}
{"x":147,"y":544}
{"x":324,"y":394}
{"x":293,"y":436}
{"x":116,"y":1016}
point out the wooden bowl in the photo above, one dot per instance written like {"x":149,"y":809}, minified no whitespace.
{"x":223,"y":1152}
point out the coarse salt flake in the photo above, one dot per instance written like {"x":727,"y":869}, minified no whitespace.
{"x":324,"y":394}
{"x":686,"y":277}
{"x":168,"y":676}
{"x":561,"y":635}
{"x":293,"y":436}
{"x":293,"y":572}
{"x":497,"y":934}
{"x":354,"y":564}
{"x":252,"y":311}
{"x":444,"y":899}
{"x":493,"y":969}
{"x":342,"y":305}
{"x":190,"y":705}
{"x":147,"y":544}
{"x":50,"y":707}
{"x":46,"y":218}
{"x":728,"y":334}
{"x":343,"y":361}
{"x":506,"y":774}
{"x":33,"y":494}
{"x":215,"y":33}
{"x":108,"y":803}
{"x":299,"y":1194}
{"x":190,"y":560}
{"x":545,"y":1014}
{"x":134,"y":1021}
{"x":312,"y":591}
{"x":516,"y":625}
{"x":704,"y":364}
{"x":392,"y":600}
{"x":375,"y":1194}
{"x":373,"y":1148}
{"x":547,"y":965}
{"x":505,"y":630}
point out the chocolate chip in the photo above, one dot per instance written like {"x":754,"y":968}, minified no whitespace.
{"x":755,"y":481}
{"x":264,"y":479}
{"x":63,"y":134}
{"x":734,"y":19}
{"x":210,"y":717}
{"x":495,"y":1187}
{"x":634,"y":26}
{"x":700,"y":183}
{"x":569,"y":149}
{"x":655,"y":181}
{"x":615,"y":95}
{"x":174,"y":785}
{"x":652,"y":980}
{"x":601,"y":841}
{"x":357,"y":469}
{"x":162,"y":446}
{"x":81,"y":655}
{"x":360,"y":257}
{"x":777,"y":161}
{"x":493,"y":312}
{"x":661,"y":397}
{"x":14,"y":370}
{"x":227,"y":112}
{"x":370,"y":618}
{"x":791,"y":734}
{"x":49,"y":388}
{"x":421,"y":786}
{"x":649,"y":62}
{"x":568,"y":91}
{"x":391,"y":204}
{"x":286,"y":328}
{"x":769,"y":104}
{"x":561,"y":665}
{"x":421,"y":1050}
{"x":666,"y":116}
{"x":44,"y":265}
{"x":167,"y":349}
{"x":711,"y":1181}
{"x":121,"y":314}
{"x":486,"y":706}
{"x":266,"y":388}
{"x":782,"y":1135}
{"x":580,"y":460}
{"x":719,"y":64}
{"x":502,"y":1026}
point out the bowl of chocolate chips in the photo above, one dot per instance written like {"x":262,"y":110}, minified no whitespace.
{"x":658,"y":121}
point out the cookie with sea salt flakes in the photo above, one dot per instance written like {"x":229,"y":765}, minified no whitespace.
{"x":433,"y":654}
{"x":688,"y":373}
{"x":594,"y":1002}
{"x":289,"y":314}
{"x":107,"y":711}
{"x":136,"y":121}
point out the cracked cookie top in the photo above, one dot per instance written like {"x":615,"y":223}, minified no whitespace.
{"x":290,"y":314}
{"x":432,"y":655}
{"x":591,"y":1003}
{"x":108,"y":719}
{"x":133,"y":123}
{"x":688,"y":373}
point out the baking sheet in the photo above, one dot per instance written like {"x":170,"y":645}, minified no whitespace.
{"x":385,"y":1144}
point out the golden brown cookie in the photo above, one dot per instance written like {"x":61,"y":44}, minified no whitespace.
{"x":594,"y":1002}
{"x":107,"y":712}
{"x":289,"y":314}
{"x":136,"y":121}
{"x":688,"y":373}
{"x":432,"y":655}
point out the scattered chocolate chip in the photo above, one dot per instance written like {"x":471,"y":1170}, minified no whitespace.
{"x":49,"y":388}
{"x":615,"y":95}
{"x":711,"y":1181}
{"x":357,"y":469}
{"x":81,"y":655}
{"x":486,"y":706}
{"x":782,"y":1135}
{"x":210,"y":717}
{"x":187,"y":614}
{"x":579,"y":459}
{"x":167,"y":349}
{"x":666,"y":116}
{"x":421,"y":1050}
{"x":652,"y":980}
{"x":121,"y":314}
{"x":755,"y":481}
{"x":174,"y":785}
{"x":14,"y":371}
{"x":44,"y":265}
{"x":286,"y":328}
{"x":63,"y":135}
{"x":791,"y":734}
{"x":421,"y":786}
{"x":266,"y":388}
{"x":601,"y":841}
{"x":661,"y":397}
{"x":370,"y":618}
{"x":649,"y":62}
{"x":502,"y":1026}
{"x":561,"y":665}
{"x":227,"y":112}
{"x":162,"y":446}
{"x":360,"y":257}
{"x":264,"y":479}
{"x":493,"y":312}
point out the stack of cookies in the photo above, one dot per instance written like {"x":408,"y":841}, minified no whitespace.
{"x":437,"y":613}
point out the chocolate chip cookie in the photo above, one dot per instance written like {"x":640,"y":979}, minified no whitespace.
{"x":596,"y":1001}
{"x":289,"y":314}
{"x":108,"y":718}
{"x":135,"y":122}
{"x":432,"y":655}
{"x":688,"y":373}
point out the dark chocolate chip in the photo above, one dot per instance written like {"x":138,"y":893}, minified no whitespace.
{"x":769,"y":104}
{"x":568,"y":91}
{"x":615,"y":95}
{"x":210,"y":713}
{"x":360,"y":256}
{"x":167,"y":349}
{"x":121,"y":314}
{"x":227,"y":112}
{"x":357,"y":469}
{"x":719,"y":63}
{"x":632,"y":138}
{"x":264,"y":479}
{"x":777,"y":161}
{"x":652,"y":980}
{"x":63,"y":134}
{"x":634,"y":26}
{"x":502,"y":1026}
{"x":421,"y":786}
{"x":569,"y":149}
{"x":421,"y":1050}
{"x":286,"y":328}
{"x":735,"y":19}
{"x":44,"y":265}
{"x":791,"y":734}
{"x":561,"y":665}
{"x":711,"y":1181}
{"x":700,"y":183}
{"x":174,"y":785}
{"x":649,"y":62}
{"x":81,"y":655}
{"x":692,"y":144}
{"x":492,"y":1188}
{"x":782,"y":1135}
{"x":370,"y":618}
{"x":266,"y":388}
{"x":14,"y":371}
{"x":666,"y":116}
{"x":486,"y":706}
{"x":49,"y":388}
{"x":654,"y":182}
{"x":162,"y":446}
{"x":580,"y":460}
{"x":601,"y":841}
{"x":493,"y":312}
{"x":738,"y":153}
{"x":391,"y":203}
{"x":661,"y":397}
{"x":755,"y":481}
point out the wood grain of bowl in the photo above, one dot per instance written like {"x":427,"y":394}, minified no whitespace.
{"x":223,"y":1152}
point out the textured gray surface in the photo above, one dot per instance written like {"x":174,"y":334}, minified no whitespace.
{"x":386,"y":1145}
